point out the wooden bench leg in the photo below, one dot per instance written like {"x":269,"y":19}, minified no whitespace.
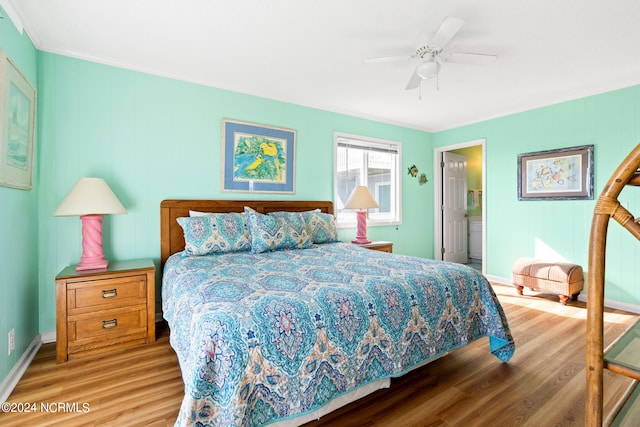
{"x":519,"y":288}
{"x":563,"y":299}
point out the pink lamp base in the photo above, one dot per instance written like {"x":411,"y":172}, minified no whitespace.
{"x":361,"y":230}
{"x":360,"y":242}
{"x":92,"y":255}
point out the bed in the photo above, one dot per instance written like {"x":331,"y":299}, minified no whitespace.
{"x":283,"y":336}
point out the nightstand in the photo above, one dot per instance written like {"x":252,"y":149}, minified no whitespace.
{"x":381,"y":246}
{"x":104,"y":310}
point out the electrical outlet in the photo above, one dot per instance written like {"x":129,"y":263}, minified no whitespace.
{"x":12,"y":341}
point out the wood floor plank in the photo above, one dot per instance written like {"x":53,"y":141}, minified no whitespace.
{"x":542,"y":385}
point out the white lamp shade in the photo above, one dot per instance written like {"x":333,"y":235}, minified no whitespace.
{"x":361,"y":198}
{"x":90,"y":196}
{"x":428,"y":70}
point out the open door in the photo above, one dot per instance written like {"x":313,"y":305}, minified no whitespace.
{"x":454,"y":207}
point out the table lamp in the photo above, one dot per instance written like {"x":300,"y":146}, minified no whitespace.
{"x":91,"y":198}
{"x":361,"y":199}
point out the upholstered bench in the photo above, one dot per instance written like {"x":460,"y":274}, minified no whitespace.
{"x":561,"y":278}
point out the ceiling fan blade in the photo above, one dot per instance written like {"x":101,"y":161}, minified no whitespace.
{"x":469,"y":58}
{"x":386,"y":59}
{"x":414,"y":81}
{"x":449,"y":27}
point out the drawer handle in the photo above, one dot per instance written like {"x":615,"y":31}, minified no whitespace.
{"x":109,"y":324}
{"x":111,"y":293}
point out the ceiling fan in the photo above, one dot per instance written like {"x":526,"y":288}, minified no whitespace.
{"x":432,"y":54}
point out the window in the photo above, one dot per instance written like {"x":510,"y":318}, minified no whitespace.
{"x":374,"y":163}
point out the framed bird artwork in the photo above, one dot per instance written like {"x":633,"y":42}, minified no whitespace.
{"x":257,"y":158}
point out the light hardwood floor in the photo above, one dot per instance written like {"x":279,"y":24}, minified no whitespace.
{"x":542,"y":385}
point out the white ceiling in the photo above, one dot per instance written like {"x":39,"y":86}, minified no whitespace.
{"x":311,"y":52}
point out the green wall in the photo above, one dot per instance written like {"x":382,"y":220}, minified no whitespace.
{"x":153,"y":138}
{"x":18,"y":230}
{"x":611,"y":122}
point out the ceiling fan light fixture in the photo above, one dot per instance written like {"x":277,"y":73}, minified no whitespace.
{"x":428,"y":70}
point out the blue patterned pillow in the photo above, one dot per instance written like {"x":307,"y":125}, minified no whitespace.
{"x":320,"y":226}
{"x":215,"y":233}
{"x":277,"y":232}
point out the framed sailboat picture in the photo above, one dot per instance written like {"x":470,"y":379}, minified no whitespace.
{"x":17,"y":125}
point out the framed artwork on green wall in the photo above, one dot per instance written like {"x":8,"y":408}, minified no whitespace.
{"x":560,"y":174}
{"x":17,"y":125}
{"x":257,"y":158}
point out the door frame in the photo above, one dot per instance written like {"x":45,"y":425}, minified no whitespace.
{"x":437,"y":184}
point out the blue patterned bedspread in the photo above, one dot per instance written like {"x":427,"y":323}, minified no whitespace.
{"x":270,"y":336}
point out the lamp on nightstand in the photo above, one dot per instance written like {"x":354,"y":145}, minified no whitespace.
{"x":361,"y":199}
{"x":91,"y":198}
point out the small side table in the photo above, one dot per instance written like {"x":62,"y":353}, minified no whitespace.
{"x":380,"y":245}
{"x":103,"y":310}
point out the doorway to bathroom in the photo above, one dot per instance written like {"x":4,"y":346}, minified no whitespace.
{"x":460,"y":240}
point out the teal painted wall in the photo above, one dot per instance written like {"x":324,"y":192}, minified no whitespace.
{"x":18,"y":230}
{"x":560,"y":229}
{"x":153,"y":138}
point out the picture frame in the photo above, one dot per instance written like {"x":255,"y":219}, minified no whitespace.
{"x":257,"y":158}
{"x":559,"y":174}
{"x":17,"y":126}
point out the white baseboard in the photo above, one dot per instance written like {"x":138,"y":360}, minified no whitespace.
{"x":48,"y":337}
{"x":498,"y":279}
{"x":10,"y":382}
{"x":632,"y":308}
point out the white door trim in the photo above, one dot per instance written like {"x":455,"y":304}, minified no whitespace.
{"x":437,"y":183}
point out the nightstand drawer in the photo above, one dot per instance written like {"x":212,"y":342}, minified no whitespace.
{"x":122,"y":291}
{"x":380,"y":246}
{"x":109,"y":322}
{"x":103,"y":310}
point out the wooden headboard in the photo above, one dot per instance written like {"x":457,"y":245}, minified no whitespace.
{"x":171,"y":234}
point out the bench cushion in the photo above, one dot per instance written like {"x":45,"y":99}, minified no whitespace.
{"x":556,"y":277}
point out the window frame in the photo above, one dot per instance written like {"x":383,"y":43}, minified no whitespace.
{"x":367,"y":142}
